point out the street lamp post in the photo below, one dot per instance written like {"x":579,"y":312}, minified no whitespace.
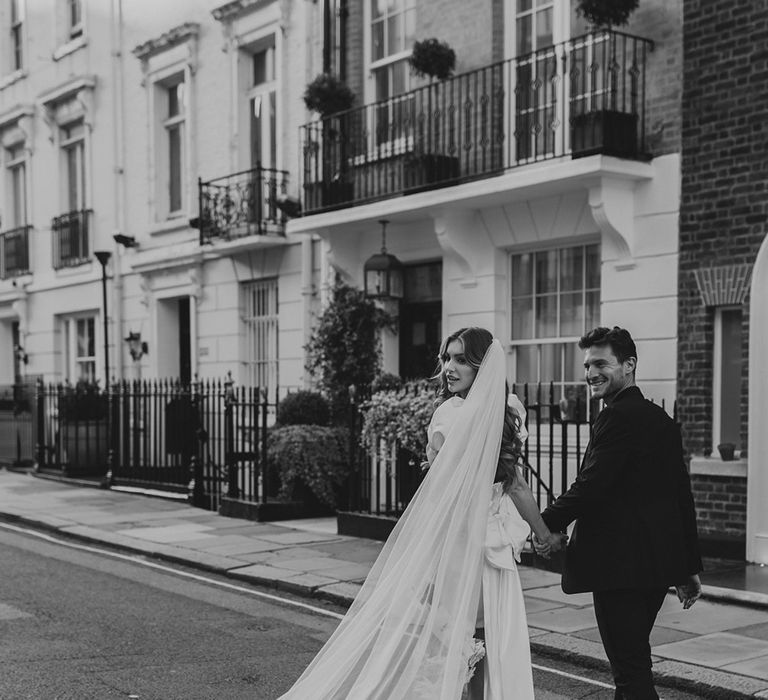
{"x":103,"y":257}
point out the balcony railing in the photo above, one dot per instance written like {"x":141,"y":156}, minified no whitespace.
{"x":583,"y":96}
{"x":242,"y":204}
{"x":71,"y":244}
{"x":14,"y":252}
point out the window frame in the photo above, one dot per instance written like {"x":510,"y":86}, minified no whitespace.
{"x":75,"y":29}
{"x":717,"y":373}
{"x":72,"y":359}
{"x":15,"y":167}
{"x":255,"y":366}
{"x":174,"y":123}
{"x":562,"y":341}
{"x":16,"y":31}
{"x":69,"y":146}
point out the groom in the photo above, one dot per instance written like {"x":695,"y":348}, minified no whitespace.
{"x":635,"y":532}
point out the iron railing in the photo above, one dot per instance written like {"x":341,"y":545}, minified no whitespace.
{"x":579,"y":97}
{"x":206,"y":439}
{"x":71,"y":240}
{"x":385,"y":478}
{"x":17,"y":430}
{"x":242,"y":204}
{"x":14,"y":252}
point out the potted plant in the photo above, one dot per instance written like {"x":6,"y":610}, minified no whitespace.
{"x":726,"y":450}
{"x":83,"y":410}
{"x":328,"y":96}
{"x":436,"y":60}
{"x":606,"y":129}
{"x":432,"y":58}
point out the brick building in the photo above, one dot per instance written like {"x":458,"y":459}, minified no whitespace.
{"x":723,"y":312}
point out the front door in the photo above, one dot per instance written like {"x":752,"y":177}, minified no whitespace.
{"x":421,"y":320}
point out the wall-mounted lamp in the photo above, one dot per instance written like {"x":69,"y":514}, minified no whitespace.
{"x":383,"y":272}
{"x":21,"y":354}
{"x":126,"y":241}
{"x":136,"y":346}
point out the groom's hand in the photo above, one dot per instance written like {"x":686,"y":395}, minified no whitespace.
{"x":688,"y":593}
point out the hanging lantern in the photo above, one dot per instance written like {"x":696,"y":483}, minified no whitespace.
{"x":383,"y":272}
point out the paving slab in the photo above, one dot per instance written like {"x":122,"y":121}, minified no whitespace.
{"x":715,"y":650}
{"x":757,"y":667}
{"x":706,"y":617}
{"x":555,"y":593}
{"x":563,"y":619}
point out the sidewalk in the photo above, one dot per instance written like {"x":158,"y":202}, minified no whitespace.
{"x":718,"y":649}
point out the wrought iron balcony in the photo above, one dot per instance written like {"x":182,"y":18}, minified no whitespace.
{"x":71,"y":240}
{"x":576,"y":98}
{"x":14,"y":252}
{"x":242,"y":204}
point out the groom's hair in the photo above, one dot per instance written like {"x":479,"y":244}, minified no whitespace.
{"x":618,"y":339}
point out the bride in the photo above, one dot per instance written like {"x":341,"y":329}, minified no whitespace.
{"x":449,"y":565}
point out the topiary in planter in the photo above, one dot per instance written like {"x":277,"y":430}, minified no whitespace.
{"x":606,"y":13}
{"x":303,"y":408}
{"x":326,"y":95}
{"x":432,"y":58}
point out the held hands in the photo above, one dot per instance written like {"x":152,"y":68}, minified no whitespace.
{"x":689,"y":592}
{"x":554,"y":542}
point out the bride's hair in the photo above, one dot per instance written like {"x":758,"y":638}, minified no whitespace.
{"x":475,"y":342}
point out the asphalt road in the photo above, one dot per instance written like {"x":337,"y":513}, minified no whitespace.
{"x":80,"y":623}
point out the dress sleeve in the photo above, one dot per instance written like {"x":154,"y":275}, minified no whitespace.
{"x":514,"y":402}
{"x":438,"y":428}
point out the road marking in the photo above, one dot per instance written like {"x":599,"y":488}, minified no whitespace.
{"x":168,"y":569}
{"x":558,"y":672}
{"x":239,"y":589}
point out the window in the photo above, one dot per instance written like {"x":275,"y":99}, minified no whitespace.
{"x":260,"y":334}
{"x":75,"y":18}
{"x":728,"y":365}
{"x":392,"y":33}
{"x":173,"y":102}
{"x":80,"y":348}
{"x":15,"y":163}
{"x":262,"y":97}
{"x":555,"y":300}
{"x":73,"y":152}
{"x":16,"y":38}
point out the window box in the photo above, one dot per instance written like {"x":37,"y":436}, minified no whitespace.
{"x":604,"y":131}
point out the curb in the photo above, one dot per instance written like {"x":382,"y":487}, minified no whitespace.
{"x":703,"y":681}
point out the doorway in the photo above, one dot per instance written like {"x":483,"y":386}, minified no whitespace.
{"x":421,"y":315}
{"x":174,"y":358}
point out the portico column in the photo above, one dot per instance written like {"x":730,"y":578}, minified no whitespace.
{"x":757,"y":452}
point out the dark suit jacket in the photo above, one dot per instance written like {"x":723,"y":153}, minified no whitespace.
{"x":632,"y":503}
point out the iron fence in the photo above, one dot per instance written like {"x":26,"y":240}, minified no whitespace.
{"x":242,"y":204}
{"x":582,"y":96}
{"x":206,"y":438}
{"x":17,"y":429}
{"x":386,"y":477}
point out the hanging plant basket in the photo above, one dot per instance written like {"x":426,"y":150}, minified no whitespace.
{"x":432,"y":58}
{"x":606,"y":13}
{"x":326,"y":95}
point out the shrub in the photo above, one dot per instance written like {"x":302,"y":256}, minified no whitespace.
{"x":303,"y":408}
{"x":432,"y":58}
{"x":315,"y":455}
{"x":386,"y":382}
{"x":401,"y":416}
{"x":84,"y":401}
{"x":606,"y":13}
{"x":344,"y":348}
{"x":326,"y":95}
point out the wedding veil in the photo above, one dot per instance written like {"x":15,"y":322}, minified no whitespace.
{"x":408,"y":633}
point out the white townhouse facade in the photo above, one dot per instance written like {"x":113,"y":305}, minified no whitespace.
{"x":536,"y":192}
{"x":111,"y":115}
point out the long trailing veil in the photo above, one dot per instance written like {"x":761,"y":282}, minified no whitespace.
{"x":408,"y":633}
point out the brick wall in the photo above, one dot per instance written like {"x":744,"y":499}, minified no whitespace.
{"x":724,"y":182}
{"x":721,"y":505}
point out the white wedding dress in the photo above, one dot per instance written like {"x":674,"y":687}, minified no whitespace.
{"x":509,"y":675}
{"x":408,"y":633}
